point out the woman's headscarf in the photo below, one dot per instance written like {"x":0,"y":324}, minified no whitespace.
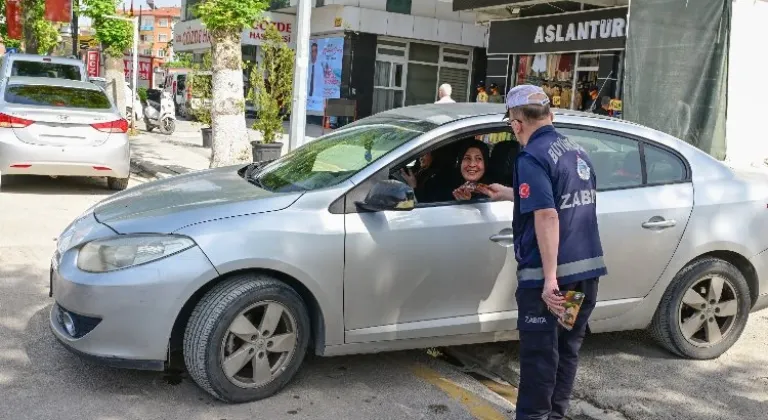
{"x":484,"y":150}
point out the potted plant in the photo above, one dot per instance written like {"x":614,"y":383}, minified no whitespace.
{"x":201,"y":84}
{"x":271,"y":88}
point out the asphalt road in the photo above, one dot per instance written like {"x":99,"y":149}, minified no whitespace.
{"x":39,"y":379}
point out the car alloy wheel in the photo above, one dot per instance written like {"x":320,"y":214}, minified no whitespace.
{"x":246,"y":338}
{"x":258,"y":345}
{"x":708,"y":310}
{"x":704,"y":309}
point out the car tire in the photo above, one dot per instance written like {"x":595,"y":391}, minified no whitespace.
{"x":211,"y":329}
{"x":117,"y":184}
{"x":687,"y":303}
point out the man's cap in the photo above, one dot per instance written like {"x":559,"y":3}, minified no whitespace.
{"x":525,"y":95}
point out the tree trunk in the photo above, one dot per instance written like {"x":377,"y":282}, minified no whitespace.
{"x":114,"y":70}
{"x":230,"y":135}
{"x":28,"y":33}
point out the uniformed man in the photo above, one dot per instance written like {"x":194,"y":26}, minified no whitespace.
{"x":557,"y":247}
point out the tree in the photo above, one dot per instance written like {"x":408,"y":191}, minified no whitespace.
{"x":225,"y":21}
{"x":115,"y":36}
{"x":40,"y":35}
{"x":200,"y":81}
{"x":272,"y":82}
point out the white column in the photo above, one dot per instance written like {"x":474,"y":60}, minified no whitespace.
{"x":299,"y":111}
{"x":135,"y":72}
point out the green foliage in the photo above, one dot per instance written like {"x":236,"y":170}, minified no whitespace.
{"x":201,"y":83}
{"x":181,"y":60}
{"x":230,"y":16}
{"x":272,"y":84}
{"x":115,"y":35}
{"x":142,"y":92}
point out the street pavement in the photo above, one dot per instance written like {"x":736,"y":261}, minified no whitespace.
{"x":39,"y":379}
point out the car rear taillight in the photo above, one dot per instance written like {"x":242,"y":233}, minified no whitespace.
{"x":117,"y":126}
{"x":9,"y":121}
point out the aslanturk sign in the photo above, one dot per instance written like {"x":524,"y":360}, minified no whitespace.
{"x":604,"y":29}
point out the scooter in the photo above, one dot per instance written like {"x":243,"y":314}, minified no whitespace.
{"x":160,"y":111}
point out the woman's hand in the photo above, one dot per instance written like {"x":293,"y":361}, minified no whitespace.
{"x":409,"y":177}
{"x":462,"y":194}
{"x":498,"y":192}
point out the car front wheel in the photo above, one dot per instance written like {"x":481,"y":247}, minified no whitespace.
{"x":704,"y":311}
{"x":246,"y":338}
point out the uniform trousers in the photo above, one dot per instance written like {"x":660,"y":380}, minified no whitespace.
{"x":549,"y":354}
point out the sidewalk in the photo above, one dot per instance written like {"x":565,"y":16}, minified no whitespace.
{"x":156,"y":155}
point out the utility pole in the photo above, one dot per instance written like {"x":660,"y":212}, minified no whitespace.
{"x":75,"y":29}
{"x":299,"y":111}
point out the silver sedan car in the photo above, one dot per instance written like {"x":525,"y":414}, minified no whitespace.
{"x":242,"y":270}
{"x":61,"y":127}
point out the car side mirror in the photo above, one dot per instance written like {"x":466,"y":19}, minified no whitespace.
{"x":389,"y":195}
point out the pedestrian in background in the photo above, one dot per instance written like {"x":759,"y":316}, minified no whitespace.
{"x":482,"y":95}
{"x":557,"y":247}
{"x":495,"y":96}
{"x":605,"y":106}
{"x":444,"y":94}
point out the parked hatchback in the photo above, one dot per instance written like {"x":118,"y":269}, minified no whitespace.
{"x":62,"y":127}
{"x":244,"y":269}
{"x":32,"y":65}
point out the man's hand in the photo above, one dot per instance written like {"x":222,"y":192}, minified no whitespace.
{"x":551,"y":296}
{"x":499,"y":192}
{"x":409,"y":177}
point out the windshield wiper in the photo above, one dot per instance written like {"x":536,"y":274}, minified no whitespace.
{"x":251,"y":169}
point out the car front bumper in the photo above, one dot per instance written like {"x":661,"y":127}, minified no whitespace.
{"x":111,"y":159}
{"x":124,"y":318}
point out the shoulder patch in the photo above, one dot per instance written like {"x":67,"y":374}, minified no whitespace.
{"x":525,"y":190}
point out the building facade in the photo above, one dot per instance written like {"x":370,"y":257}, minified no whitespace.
{"x":381,"y":53}
{"x":156,"y":31}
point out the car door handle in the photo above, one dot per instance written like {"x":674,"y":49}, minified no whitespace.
{"x":655,"y":223}
{"x":504,"y":238}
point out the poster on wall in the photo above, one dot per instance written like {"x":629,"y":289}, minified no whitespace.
{"x":324,"y":72}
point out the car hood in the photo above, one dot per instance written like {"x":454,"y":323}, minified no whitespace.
{"x":168,"y":205}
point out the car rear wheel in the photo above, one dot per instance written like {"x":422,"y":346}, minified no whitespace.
{"x":704,"y":310}
{"x":117,"y":184}
{"x":246,"y":338}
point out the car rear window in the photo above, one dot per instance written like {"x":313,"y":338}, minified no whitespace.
{"x":43,"y":69}
{"x":57,"y":96}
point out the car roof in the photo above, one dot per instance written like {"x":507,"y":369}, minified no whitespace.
{"x":48,"y":81}
{"x":41,"y":58}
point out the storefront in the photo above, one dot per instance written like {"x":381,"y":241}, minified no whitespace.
{"x":577,"y":58}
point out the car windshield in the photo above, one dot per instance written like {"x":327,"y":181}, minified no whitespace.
{"x":58,"y":96}
{"x":337,"y":156}
{"x":43,"y":69}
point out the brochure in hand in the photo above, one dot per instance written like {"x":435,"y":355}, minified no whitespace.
{"x":572,"y":305}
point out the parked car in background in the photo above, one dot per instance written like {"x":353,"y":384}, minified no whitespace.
{"x":244,"y":269}
{"x":31,"y":65}
{"x":62,"y":127}
{"x":138,"y":112}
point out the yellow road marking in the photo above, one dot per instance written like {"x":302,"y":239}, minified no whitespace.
{"x":479,"y":408}
{"x":508,"y":392}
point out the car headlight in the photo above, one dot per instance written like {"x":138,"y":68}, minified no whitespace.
{"x":115,"y":253}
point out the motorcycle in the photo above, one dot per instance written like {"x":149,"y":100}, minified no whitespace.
{"x":160,"y":111}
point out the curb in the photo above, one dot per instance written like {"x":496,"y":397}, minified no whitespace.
{"x":498,"y":363}
{"x":151,"y":170}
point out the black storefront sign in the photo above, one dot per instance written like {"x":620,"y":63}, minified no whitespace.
{"x":603,"y":29}
{"x":477,"y":4}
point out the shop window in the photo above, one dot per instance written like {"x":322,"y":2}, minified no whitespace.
{"x":553,"y":72}
{"x":661,"y":166}
{"x":421,"y":84}
{"x":399,"y":6}
{"x":388,"y":86}
{"x":616,"y":160}
{"x":426,"y":53}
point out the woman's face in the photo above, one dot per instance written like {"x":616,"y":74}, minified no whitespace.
{"x":472,"y":165}
{"x":425,"y":160}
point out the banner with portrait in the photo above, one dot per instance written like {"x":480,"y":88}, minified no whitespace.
{"x":324,"y":72}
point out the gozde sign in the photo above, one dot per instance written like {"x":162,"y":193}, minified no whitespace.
{"x":585,"y":31}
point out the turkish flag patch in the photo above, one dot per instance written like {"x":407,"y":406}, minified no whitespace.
{"x":525,"y":190}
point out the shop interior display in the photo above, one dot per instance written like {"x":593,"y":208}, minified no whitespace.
{"x":554,"y":73}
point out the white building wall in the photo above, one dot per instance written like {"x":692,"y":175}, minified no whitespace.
{"x":747,"y":125}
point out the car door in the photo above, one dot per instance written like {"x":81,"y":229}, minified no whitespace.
{"x":644,"y":200}
{"x":440,"y":269}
